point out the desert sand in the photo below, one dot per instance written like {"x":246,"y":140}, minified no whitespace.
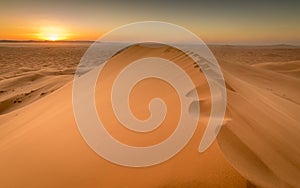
{"x":40,"y":145}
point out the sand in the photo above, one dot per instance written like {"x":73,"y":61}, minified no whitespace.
{"x":30,"y":71}
{"x":40,"y":145}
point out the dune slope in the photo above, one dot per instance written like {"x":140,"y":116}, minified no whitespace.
{"x":40,"y":145}
{"x":261,"y":140}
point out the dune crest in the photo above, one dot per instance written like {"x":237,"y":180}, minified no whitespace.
{"x":40,"y":145}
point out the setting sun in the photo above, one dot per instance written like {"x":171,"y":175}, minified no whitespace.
{"x":52,"y":34}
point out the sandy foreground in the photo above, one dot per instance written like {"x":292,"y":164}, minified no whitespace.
{"x":40,"y":145}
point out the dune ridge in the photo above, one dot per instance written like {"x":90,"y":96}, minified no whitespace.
{"x":41,"y":146}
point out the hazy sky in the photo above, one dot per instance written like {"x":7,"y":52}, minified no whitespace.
{"x":213,"y":21}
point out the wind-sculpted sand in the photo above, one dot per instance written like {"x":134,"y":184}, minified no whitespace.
{"x":29,"y":71}
{"x":40,"y":145}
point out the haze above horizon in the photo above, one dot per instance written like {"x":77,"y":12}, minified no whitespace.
{"x":242,"y":22}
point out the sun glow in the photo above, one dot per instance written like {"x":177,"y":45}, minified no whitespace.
{"x":52,"y":34}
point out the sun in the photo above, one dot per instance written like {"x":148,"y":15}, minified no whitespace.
{"x":52,"y":34}
{"x":53,"y":37}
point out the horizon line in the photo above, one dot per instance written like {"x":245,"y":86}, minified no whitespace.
{"x":92,"y":41}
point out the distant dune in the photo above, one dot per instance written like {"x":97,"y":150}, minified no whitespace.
{"x":289,"y":68}
{"x":40,"y":145}
{"x":31,"y":71}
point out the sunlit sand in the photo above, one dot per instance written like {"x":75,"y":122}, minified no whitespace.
{"x":40,"y":145}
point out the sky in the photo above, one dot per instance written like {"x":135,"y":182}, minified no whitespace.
{"x":230,"y":22}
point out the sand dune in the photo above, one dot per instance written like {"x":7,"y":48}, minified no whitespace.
{"x":22,"y":90}
{"x":290,"y":68}
{"x":260,"y":139}
{"x":40,"y":144}
{"x":29,"y":72}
